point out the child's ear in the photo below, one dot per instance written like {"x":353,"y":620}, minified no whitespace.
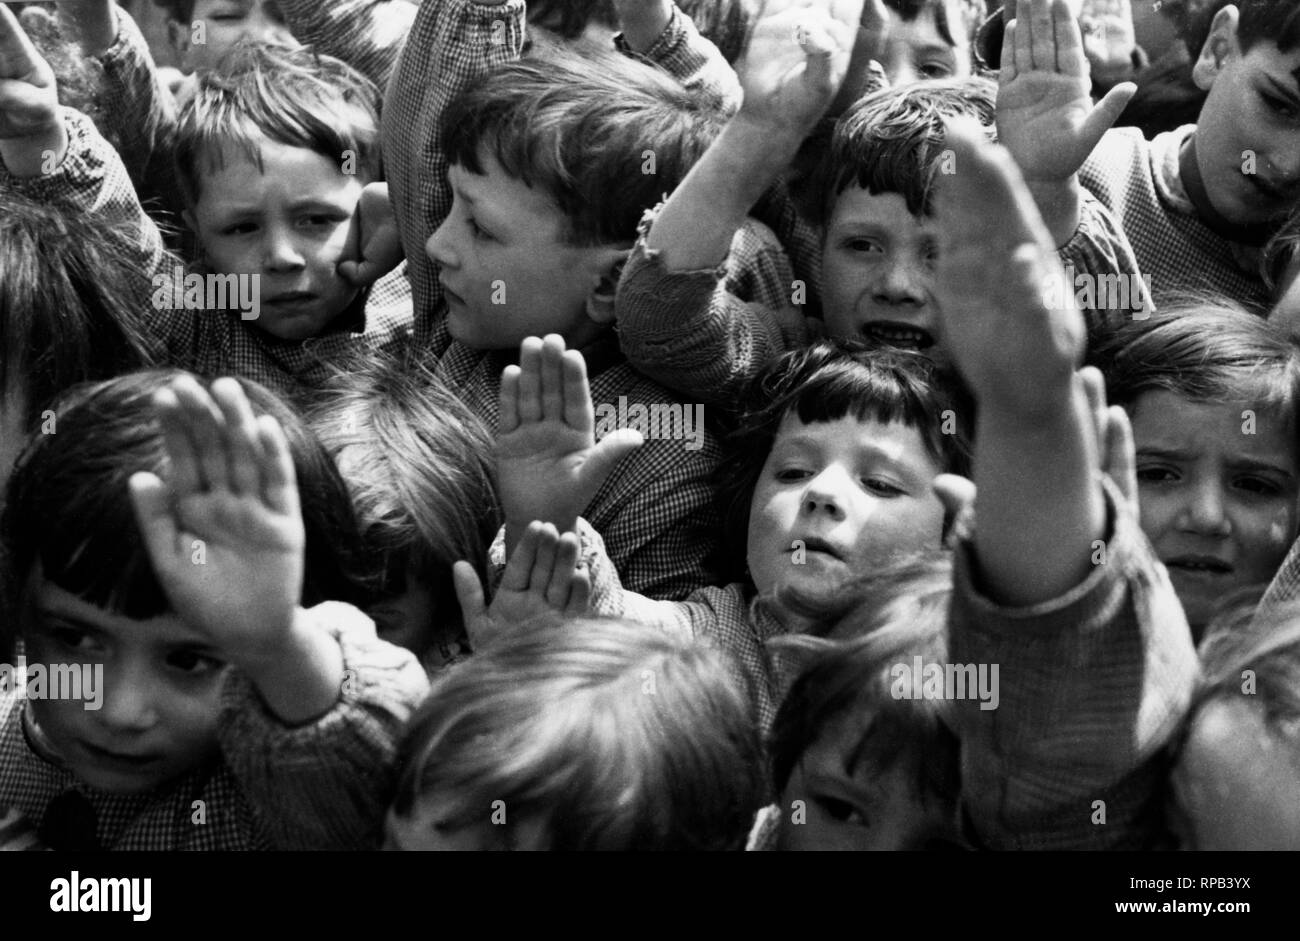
{"x":609,"y":266}
{"x":1219,"y":45}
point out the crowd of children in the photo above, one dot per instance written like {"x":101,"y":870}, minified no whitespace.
{"x":490,"y":424}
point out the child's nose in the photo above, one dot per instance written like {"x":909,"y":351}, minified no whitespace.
{"x":129,"y":704}
{"x":1206,"y":513}
{"x":901,"y":283}
{"x":439,"y":248}
{"x":280,"y":250}
{"x":825,"y":494}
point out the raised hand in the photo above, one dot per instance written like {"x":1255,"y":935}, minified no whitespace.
{"x":543,"y":576}
{"x":1011,"y":347}
{"x":549,"y":465}
{"x":32,"y":137}
{"x":374,"y":247}
{"x":795,"y":62}
{"x":224,"y":531}
{"x":1046,"y":117}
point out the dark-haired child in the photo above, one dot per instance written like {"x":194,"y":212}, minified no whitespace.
{"x":830,"y":475}
{"x":66,"y":316}
{"x":869,"y":201}
{"x":1212,"y":393}
{"x":190,"y":545}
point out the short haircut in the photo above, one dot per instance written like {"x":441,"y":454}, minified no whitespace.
{"x":895,"y":141}
{"x":68,"y":508}
{"x":611,"y":734}
{"x":1203,"y":350}
{"x":1275,"y":21}
{"x":825,"y":382}
{"x":71,"y":298}
{"x":419,"y":467}
{"x":294,"y":97}
{"x":880,"y":621}
{"x":604,"y":135}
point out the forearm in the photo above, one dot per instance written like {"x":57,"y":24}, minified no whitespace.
{"x":695,"y":227}
{"x":680,"y":50}
{"x":1040,"y":501}
{"x":366,"y":34}
{"x":299,"y":677}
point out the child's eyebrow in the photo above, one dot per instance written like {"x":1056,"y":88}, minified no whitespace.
{"x":45,"y":611}
{"x":1248,"y":464}
{"x":934,"y":48}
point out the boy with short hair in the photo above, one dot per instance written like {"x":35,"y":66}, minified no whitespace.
{"x":1199,"y":203}
{"x":272,"y":160}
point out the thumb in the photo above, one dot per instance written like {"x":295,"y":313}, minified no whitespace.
{"x":1105,"y":114}
{"x":469,"y":592}
{"x":957,"y":494}
{"x":606,"y":454}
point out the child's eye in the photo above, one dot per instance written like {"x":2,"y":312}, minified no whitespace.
{"x":1258,"y":486}
{"x":479,"y":234}
{"x":319,"y":220}
{"x":240,"y":228}
{"x":842,"y":811}
{"x":73,"y":638}
{"x":791,"y":474}
{"x":935,"y":70}
{"x":1279,"y":106}
{"x":883,"y":487}
{"x":863,"y":245}
{"x":193,"y":662}
{"x":1156,"y":475}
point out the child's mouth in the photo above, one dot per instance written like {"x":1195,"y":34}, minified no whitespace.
{"x":1198,"y":565}
{"x":117,"y":759}
{"x":898,"y":334}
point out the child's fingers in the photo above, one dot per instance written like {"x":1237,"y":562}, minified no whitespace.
{"x":1008,"y":70}
{"x":605,"y":456}
{"x":204,"y":421}
{"x":552,"y":378}
{"x":1094,"y":390}
{"x":579,"y":412}
{"x":519,"y":567}
{"x":151,"y":501}
{"x":579,"y":594}
{"x":1121,"y":454}
{"x":566,"y":563}
{"x":186,"y":474}
{"x":957,"y":494}
{"x":279,"y":480}
{"x":1042,"y":39}
{"x":548,"y":541}
{"x":509,"y":400}
{"x":469,"y":593}
{"x":1105,"y":114}
{"x":243,"y":449}
{"x":1070,"y":57}
{"x":1021,"y":51}
{"x":530,"y":380}
{"x":18,"y":56}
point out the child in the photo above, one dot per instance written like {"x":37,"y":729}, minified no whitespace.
{"x":273,"y":162}
{"x":1238,"y":769}
{"x":1057,"y":584}
{"x":231,"y":714}
{"x":869,"y":203}
{"x":1212,"y":394}
{"x":201,"y":32}
{"x":66,"y":316}
{"x":830,"y":476}
{"x":418,"y":466}
{"x":860,"y":758}
{"x":580,"y":735}
{"x":1199,"y":203}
